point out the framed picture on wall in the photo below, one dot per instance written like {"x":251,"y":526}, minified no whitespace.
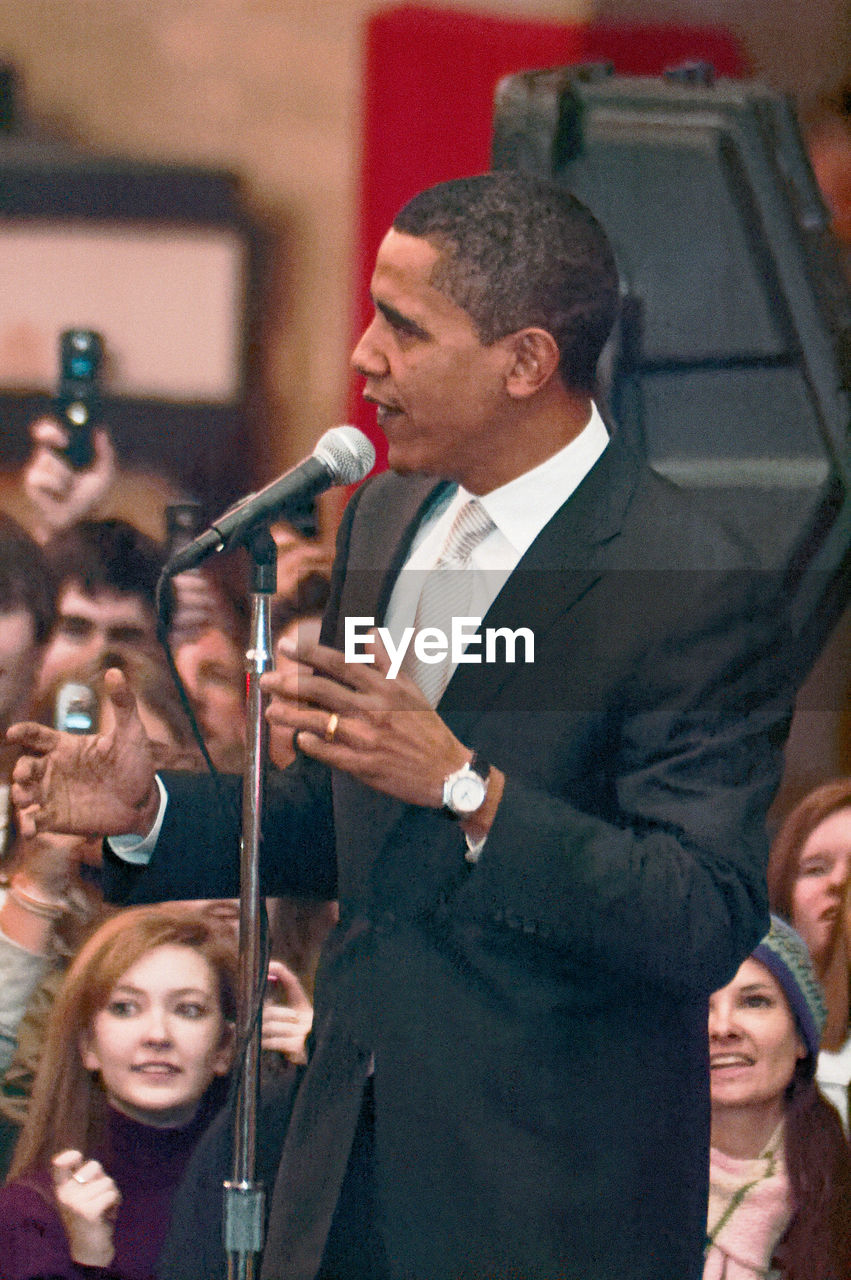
{"x":163,"y":262}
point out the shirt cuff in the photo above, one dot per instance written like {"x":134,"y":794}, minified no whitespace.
{"x":474,"y":849}
{"x":138,"y":849}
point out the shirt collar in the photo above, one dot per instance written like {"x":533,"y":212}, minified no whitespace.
{"x":521,"y":508}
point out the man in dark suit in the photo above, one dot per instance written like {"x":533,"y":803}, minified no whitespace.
{"x":542,"y":879}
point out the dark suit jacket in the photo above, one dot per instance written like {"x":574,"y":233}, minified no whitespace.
{"x":538,"y":1021}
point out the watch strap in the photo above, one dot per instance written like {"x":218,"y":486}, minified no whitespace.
{"x":480,"y":766}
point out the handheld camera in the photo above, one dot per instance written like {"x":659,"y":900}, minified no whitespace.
{"x":76,"y":709}
{"x":78,"y":397}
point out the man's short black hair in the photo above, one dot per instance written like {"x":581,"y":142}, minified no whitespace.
{"x":108,"y":555}
{"x":26,"y":580}
{"x":519,"y":252}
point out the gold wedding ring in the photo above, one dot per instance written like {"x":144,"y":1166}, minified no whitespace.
{"x":331,"y":727}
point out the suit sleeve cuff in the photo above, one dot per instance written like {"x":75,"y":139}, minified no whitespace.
{"x":138,"y":849}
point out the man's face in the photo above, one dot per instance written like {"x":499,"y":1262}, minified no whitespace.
{"x":90,"y":627}
{"x":213,"y":671}
{"x":18,"y":663}
{"x":440,"y":393}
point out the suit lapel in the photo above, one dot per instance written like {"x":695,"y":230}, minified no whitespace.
{"x":380,"y":541}
{"x":562,"y":564}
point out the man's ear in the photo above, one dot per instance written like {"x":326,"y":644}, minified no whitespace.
{"x":535,"y":357}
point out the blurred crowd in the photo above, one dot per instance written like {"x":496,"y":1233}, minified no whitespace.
{"x":780,"y":1065}
{"x":117,"y":1026}
{"x":78,"y":597}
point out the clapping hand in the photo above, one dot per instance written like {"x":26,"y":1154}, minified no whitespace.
{"x":87,"y":784}
{"x":88,"y":1201}
{"x":358,"y":718}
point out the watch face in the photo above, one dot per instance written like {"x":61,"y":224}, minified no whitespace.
{"x":467,"y":793}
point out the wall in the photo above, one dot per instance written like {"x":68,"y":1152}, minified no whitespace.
{"x":271,"y":89}
{"x":267,"y":90}
{"x":803,"y":46}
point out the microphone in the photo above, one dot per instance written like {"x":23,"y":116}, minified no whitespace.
{"x":343,"y":455}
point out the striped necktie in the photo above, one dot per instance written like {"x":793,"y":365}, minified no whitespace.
{"x":446,"y":594}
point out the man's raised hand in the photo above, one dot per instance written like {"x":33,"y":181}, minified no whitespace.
{"x":355,"y":718}
{"x":88,"y":784}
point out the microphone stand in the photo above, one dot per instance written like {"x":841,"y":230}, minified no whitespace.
{"x":244,"y":1198}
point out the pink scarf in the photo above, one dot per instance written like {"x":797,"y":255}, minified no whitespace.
{"x":749,"y":1209}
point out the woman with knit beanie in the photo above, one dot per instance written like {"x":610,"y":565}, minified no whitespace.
{"x":809,"y":881}
{"x":780,"y":1166}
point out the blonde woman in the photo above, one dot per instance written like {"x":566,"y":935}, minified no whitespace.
{"x":141,"y":1032}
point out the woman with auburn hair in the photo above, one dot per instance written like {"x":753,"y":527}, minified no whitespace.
{"x":780,"y":1166}
{"x":809,"y":873}
{"x":138,"y":1043}
{"x":47,"y":907}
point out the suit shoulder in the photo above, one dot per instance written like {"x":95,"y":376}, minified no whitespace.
{"x":381,"y":513}
{"x":679,"y":528}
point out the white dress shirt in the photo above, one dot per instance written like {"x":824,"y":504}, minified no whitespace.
{"x":519,"y":510}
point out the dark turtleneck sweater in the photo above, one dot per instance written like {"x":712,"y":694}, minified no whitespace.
{"x":146,"y":1164}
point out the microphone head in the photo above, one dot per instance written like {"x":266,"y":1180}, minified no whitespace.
{"x":347,"y":453}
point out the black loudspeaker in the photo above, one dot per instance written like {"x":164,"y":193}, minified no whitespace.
{"x":731,"y":366}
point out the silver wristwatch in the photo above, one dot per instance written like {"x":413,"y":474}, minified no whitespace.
{"x":464,"y":790}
